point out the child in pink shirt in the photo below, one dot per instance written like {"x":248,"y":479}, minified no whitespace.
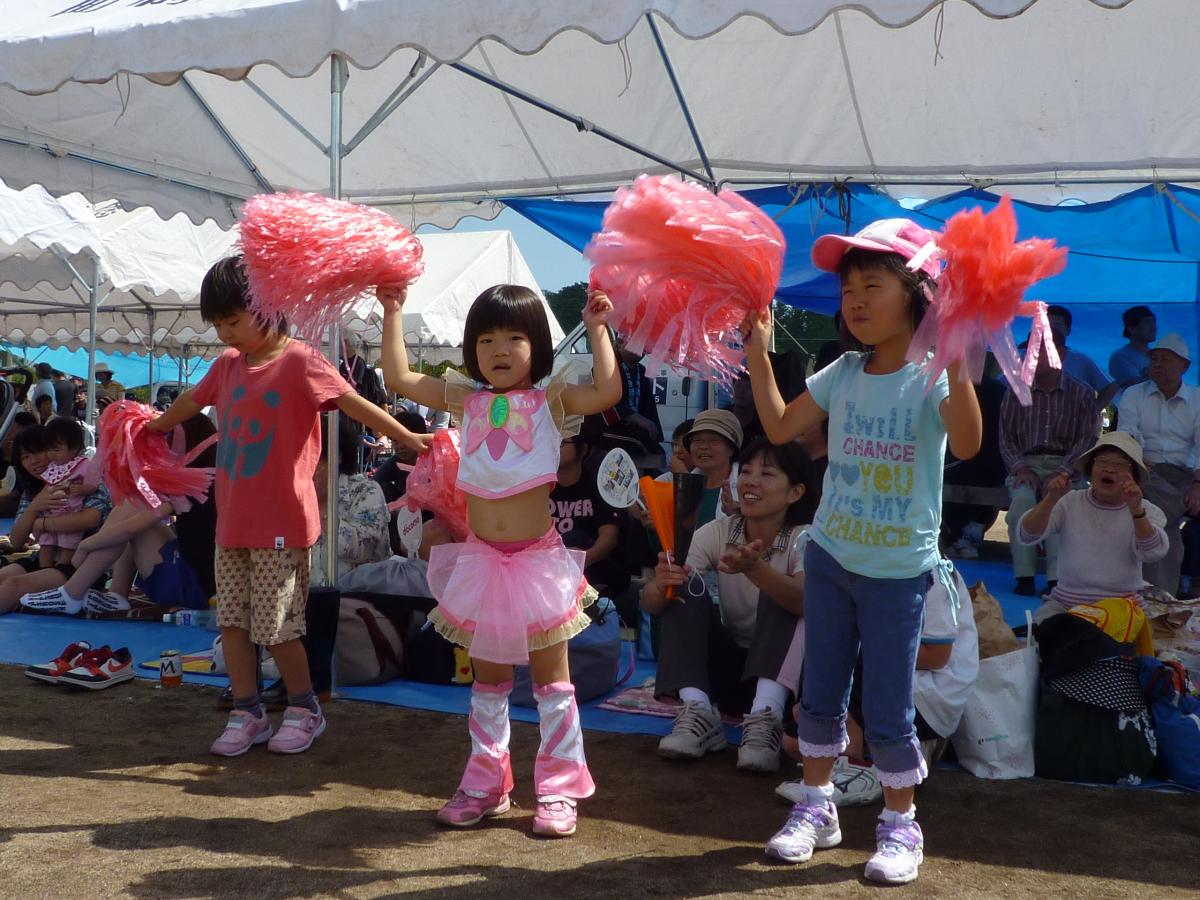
{"x":269,"y":391}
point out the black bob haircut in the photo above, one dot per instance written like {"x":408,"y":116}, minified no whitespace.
{"x":509,"y":307}
{"x":225,"y":291}
{"x":917,"y":283}
{"x":796,"y":467}
{"x":66,"y":431}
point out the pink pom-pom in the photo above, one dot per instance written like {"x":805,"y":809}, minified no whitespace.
{"x":432,"y":483}
{"x":308,"y":257}
{"x":683,"y":268}
{"x":137,"y":464}
{"x":980,"y":292}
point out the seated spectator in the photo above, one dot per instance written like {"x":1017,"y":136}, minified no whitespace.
{"x":714,"y":442}
{"x":362,"y":511}
{"x":1130,"y":364}
{"x":964,"y":524}
{"x":10,"y":496}
{"x":1105,"y":533}
{"x":744,"y":653}
{"x":680,"y":460}
{"x":43,"y":408}
{"x":24,"y":576}
{"x":393,"y":479}
{"x":1163,"y":415}
{"x":636,"y":415}
{"x":815,"y":443}
{"x":1038,"y":442}
{"x":947,"y":666}
{"x":584,"y":520}
{"x":173,"y":563}
{"x":1078,"y":365}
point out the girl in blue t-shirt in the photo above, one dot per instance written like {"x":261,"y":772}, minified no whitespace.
{"x":873,"y":553}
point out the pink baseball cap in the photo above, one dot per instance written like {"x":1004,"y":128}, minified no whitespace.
{"x":903,"y":236}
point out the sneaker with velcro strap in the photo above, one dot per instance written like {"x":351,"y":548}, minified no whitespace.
{"x":51,"y":671}
{"x":100,"y":669}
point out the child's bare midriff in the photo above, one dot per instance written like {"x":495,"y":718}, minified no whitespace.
{"x":522,"y":517}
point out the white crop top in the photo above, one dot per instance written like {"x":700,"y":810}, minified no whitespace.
{"x":510,"y":443}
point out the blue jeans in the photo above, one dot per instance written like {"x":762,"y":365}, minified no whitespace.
{"x":843,"y":611}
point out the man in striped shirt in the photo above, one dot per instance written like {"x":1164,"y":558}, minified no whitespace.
{"x":1038,"y":442}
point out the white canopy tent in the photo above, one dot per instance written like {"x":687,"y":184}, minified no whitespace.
{"x":76,"y":274}
{"x":457,"y":268}
{"x":469,"y":100}
{"x":454,"y":103}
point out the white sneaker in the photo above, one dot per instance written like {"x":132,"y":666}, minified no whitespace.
{"x":697,"y":730}
{"x":762,"y":739}
{"x":55,"y":600}
{"x":899,"y":852}
{"x":104,"y":602}
{"x":808,"y":828}
{"x":855,"y":785}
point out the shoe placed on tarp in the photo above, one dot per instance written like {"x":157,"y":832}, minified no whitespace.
{"x":50,"y":672}
{"x":100,"y":669}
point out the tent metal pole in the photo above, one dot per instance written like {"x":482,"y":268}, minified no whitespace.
{"x":236,"y":147}
{"x":287,"y":116}
{"x":150,"y":398}
{"x":338,"y":75}
{"x":120,"y":167}
{"x":579,"y":122}
{"x":683,"y":104}
{"x":403,"y":91}
{"x":93,"y":308}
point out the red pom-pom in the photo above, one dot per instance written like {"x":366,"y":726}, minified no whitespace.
{"x":683,"y":268}
{"x":138,"y":464}
{"x":432,"y":483}
{"x":308,"y":257}
{"x":980,"y":292}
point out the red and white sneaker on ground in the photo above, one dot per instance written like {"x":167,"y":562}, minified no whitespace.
{"x":50,"y":672}
{"x":100,"y":669}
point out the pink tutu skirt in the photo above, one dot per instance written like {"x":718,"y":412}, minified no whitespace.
{"x":502,"y":602}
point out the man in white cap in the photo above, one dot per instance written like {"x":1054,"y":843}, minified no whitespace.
{"x":1163,"y":414}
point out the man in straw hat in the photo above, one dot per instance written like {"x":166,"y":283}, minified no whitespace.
{"x":1163,"y":415}
{"x":106,"y":385}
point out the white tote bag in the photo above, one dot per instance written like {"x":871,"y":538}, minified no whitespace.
{"x":995,"y":737}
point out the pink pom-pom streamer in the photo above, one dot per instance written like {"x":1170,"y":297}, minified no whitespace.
{"x":308,"y":257}
{"x":981,"y":291}
{"x":137,"y":464}
{"x":432,"y":484}
{"x":683,"y":268}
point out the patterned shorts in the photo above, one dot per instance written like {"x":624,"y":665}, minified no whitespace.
{"x":263,"y":591}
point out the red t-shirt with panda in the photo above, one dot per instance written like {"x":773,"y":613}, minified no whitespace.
{"x":269,"y":444}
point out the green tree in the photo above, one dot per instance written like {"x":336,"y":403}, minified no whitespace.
{"x":567,"y":304}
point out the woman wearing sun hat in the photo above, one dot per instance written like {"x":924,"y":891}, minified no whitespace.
{"x":1105,"y":532}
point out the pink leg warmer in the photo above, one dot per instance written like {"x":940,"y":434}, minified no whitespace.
{"x":489,"y":769}
{"x":561,"y":769}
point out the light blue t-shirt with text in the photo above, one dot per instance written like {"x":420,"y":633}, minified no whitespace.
{"x":881,"y":505}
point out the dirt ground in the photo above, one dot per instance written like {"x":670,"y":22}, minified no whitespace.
{"x":112,"y":794}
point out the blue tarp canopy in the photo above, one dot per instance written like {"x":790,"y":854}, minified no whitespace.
{"x":1142,"y":247}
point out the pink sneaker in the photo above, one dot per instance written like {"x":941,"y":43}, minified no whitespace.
{"x":554,"y":817}
{"x":464,"y":810}
{"x":300,"y":727}
{"x":242,"y":732}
